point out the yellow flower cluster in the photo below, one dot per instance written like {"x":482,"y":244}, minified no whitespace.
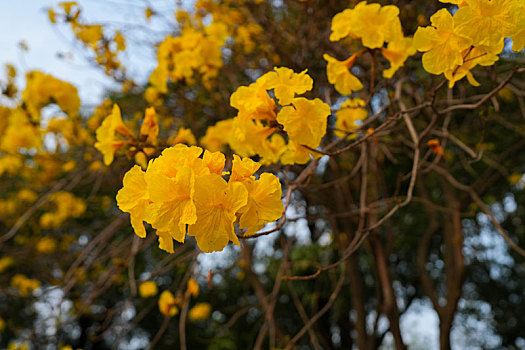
{"x":113,"y":134}
{"x":148,"y":289}
{"x":46,"y":245}
{"x":69,"y":130}
{"x":455,"y":44}
{"x":105,"y":47}
{"x":168,"y":304}
{"x":196,"y":54}
{"x":16,"y":132}
{"x":374,"y":25}
{"x":183,"y":193}
{"x":241,"y":29}
{"x":348,"y":117}
{"x":182,"y":57}
{"x":43,"y":89}
{"x":66,"y":205}
{"x":5,"y":263}
{"x":200,"y":312}
{"x":261,"y":126}
{"x":25,"y":285}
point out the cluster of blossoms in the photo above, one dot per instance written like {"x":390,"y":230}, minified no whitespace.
{"x":65,"y":205}
{"x":261,"y":124}
{"x":43,"y":89}
{"x":113,"y":134}
{"x":20,"y":125}
{"x":197,"y":52}
{"x":25,"y":285}
{"x":104,"y":47}
{"x":375,"y":26}
{"x":183,"y":193}
{"x":455,"y":44}
{"x":352,"y":112}
{"x":193,"y":51}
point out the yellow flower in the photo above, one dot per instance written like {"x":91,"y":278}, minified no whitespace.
{"x":193,"y":288}
{"x":341,"y":25}
{"x":183,"y":136}
{"x":253,"y":102}
{"x":89,"y":34}
{"x":66,"y":206}
{"x":217,"y":203}
{"x":24,"y":285}
{"x":43,"y":89}
{"x":218,"y":135}
{"x":27,"y":195}
{"x":518,"y":32}
{"x":297,"y":154}
{"x":2,"y":324}
{"x":286,"y":83}
{"x":264,"y":203}
{"x":5,"y":262}
{"x":249,"y":136}
{"x":347,"y":117}
{"x":460,"y":3}
{"x":133,"y":198}
{"x":148,"y":13}
{"x":338,"y":73}
{"x":486,"y":22}
{"x":150,"y":126}
{"x":275,"y":146}
{"x":172,"y":208}
{"x":51,"y":15}
{"x":200,"y":312}
{"x":167,"y":304}
{"x":305,"y":122}
{"x":148,"y":289}
{"x":243,"y":169}
{"x":46,"y":245}
{"x":441,"y":43}
{"x":482,"y":55}
{"x":214,"y":161}
{"x":20,"y":133}
{"x":18,"y":346}
{"x":120,"y":41}
{"x":515,"y":178}
{"x":375,"y":24}
{"x":396,"y":53}
{"x":106,"y":143}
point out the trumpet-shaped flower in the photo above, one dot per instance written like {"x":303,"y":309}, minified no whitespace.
{"x":168,"y":304}
{"x":200,"y":312}
{"x":486,"y":22}
{"x":339,"y":75}
{"x":150,"y":127}
{"x":172,"y":208}
{"x":253,"y":102}
{"x":243,"y":169}
{"x":350,"y":113}
{"x":482,"y":55}
{"x":396,"y":53}
{"x":286,"y":83}
{"x":133,"y":198}
{"x":375,"y":24}
{"x":148,"y":289}
{"x":441,"y":42}
{"x":106,"y":143}
{"x":217,"y":203}
{"x":264,"y":203}
{"x":305,"y":121}
{"x":341,"y":25}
